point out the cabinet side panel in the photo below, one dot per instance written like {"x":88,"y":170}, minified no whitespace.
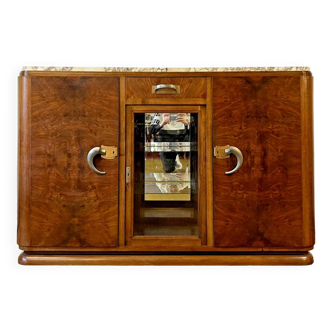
{"x":261,"y":204}
{"x":308,"y":161}
{"x":71,"y":206}
{"x":24,"y":167}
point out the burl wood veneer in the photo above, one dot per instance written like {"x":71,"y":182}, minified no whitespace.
{"x":61,"y":204}
{"x":261,"y":206}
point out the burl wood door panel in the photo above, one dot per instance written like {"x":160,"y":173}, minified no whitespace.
{"x":66,"y":204}
{"x":261,"y":204}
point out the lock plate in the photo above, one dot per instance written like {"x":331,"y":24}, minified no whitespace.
{"x":109,"y":152}
{"x":128,"y":175}
{"x":219,"y":152}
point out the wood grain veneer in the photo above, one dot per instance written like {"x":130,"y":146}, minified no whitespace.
{"x":62,"y":202}
{"x":261,"y":204}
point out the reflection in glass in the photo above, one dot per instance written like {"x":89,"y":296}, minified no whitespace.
{"x":167,"y":140}
{"x":166,"y":173}
{"x":176,"y":185}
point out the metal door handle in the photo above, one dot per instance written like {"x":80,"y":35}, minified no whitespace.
{"x":239,"y":156}
{"x":106,"y":152}
{"x":155,"y":88}
{"x":222,"y":152}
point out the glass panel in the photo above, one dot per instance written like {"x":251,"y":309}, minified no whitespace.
{"x":166,"y":174}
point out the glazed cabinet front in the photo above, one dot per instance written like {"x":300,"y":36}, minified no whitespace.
{"x":165,"y":175}
{"x":64,"y":202}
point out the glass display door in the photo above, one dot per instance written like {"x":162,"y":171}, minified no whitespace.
{"x":165,"y":173}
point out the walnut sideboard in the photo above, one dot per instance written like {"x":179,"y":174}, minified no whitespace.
{"x":165,"y":166}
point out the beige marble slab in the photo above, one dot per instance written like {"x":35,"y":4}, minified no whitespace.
{"x":169,"y":70}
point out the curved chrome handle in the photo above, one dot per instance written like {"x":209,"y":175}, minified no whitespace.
{"x":106,"y":152}
{"x":166,"y":86}
{"x":92,"y":153}
{"x":239,"y":156}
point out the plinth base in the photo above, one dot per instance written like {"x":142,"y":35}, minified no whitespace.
{"x":301,"y":258}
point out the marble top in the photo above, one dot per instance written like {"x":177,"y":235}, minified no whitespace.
{"x":164,"y":69}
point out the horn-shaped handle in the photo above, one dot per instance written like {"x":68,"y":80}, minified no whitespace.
{"x":91,"y":155}
{"x":239,"y":156}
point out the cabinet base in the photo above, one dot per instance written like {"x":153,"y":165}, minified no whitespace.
{"x":302,"y":258}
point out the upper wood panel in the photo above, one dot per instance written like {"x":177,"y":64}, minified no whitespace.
{"x":261,"y":204}
{"x":67,"y":204}
{"x":139,"y":90}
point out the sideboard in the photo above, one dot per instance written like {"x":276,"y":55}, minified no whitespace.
{"x":165,"y":166}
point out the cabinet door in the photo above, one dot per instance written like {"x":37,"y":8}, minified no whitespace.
{"x":165,"y":192}
{"x":62,"y":202}
{"x":261,"y":205}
